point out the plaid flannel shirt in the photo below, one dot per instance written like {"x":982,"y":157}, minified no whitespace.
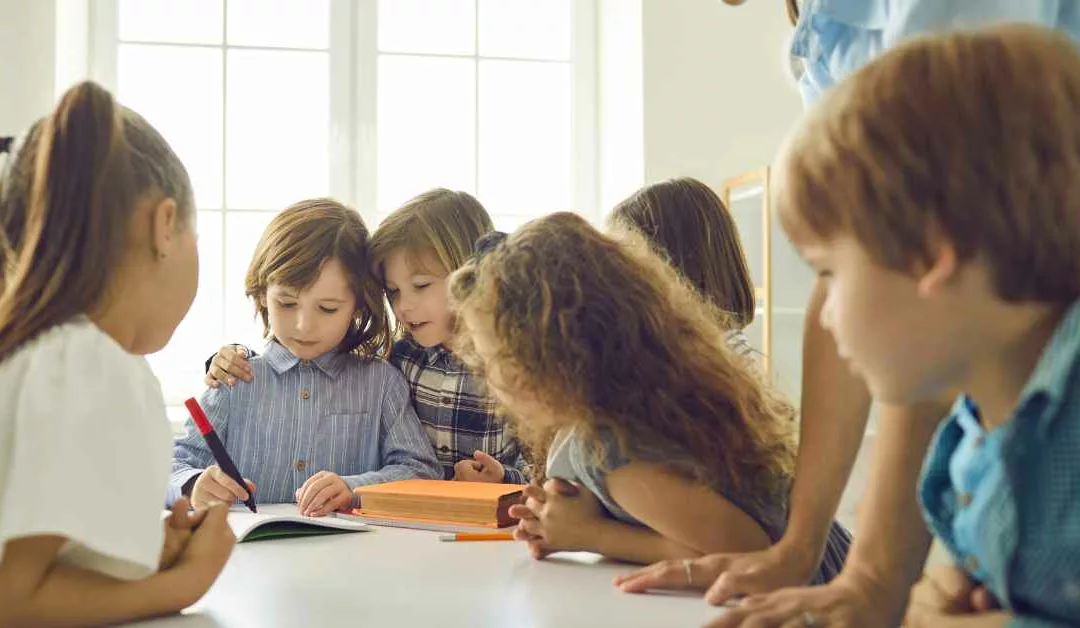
{"x":458,"y":416}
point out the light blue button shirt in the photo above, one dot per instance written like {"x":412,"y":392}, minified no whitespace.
{"x":836,"y":37}
{"x":1008,"y":507}
{"x":339,"y":412}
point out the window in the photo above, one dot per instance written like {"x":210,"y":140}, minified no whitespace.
{"x":371,"y":101}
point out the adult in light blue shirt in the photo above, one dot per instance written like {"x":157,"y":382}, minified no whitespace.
{"x":833,"y":38}
{"x":340,"y":412}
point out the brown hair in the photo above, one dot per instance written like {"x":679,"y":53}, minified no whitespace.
{"x":687,"y":223}
{"x":792,"y":7}
{"x":441,"y":222}
{"x":292,"y":252}
{"x":67,"y":204}
{"x":985,"y":152}
{"x":605,"y":331}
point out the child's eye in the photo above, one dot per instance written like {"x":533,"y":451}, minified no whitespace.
{"x":285,"y":305}
{"x":421,"y":286}
{"x":328,"y":310}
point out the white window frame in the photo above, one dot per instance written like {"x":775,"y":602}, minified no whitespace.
{"x":353,"y":96}
{"x":354,"y":57}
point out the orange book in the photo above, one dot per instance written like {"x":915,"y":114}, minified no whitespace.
{"x":480,"y":504}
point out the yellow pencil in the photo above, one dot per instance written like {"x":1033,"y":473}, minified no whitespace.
{"x":482,"y":536}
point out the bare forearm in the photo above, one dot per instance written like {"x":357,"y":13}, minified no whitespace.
{"x":892,"y":543}
{"x":69,"y":596}
{"x":835,"y":405}
{"x":635,"y":544}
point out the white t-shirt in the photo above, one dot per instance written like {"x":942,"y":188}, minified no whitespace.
{"x":85,"y":450}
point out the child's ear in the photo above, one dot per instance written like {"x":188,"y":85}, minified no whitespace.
{"x":940,"y":269}
{"x":164,"y":219}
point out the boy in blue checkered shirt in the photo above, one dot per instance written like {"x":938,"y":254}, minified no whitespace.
{"x":944,"y":222}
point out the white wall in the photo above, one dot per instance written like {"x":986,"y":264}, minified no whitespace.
{"x":27,"y":62}
{"x":717,"y":100}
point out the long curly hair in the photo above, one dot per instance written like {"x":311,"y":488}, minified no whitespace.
{"x":605,"y":334}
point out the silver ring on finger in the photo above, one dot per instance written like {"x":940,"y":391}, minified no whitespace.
{"x":688,"y":567}
{"x":809,"y":620}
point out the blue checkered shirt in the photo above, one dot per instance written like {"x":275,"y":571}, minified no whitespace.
{"x":1025,"y":548}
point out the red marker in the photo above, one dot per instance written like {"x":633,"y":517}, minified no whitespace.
{"x":216,"y":448}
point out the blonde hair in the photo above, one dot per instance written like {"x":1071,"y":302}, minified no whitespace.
{"x":971,"y":136}
{"x":606,"y":332}
{"x":687,"y":223}
{"x":66,"y":206}
{"x":293,"y":251}
{"x":440,"y":222}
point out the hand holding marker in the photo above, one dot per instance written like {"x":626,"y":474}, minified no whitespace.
{"x":216,"y":448}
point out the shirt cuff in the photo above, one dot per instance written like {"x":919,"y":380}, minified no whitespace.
{"x":176,"y":485}
{"x":513,"y":476}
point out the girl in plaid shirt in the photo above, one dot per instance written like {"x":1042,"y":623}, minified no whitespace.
{"x":414,"y":251}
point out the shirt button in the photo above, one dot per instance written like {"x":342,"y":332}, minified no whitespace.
{"x":305,"y":362}
{"x":971,"y":564}
{"x":444,"y":449}
{"x":980,"y":440}
{"x":304,"y":394}
{"x":446,"y":401}
{"x":964,"y":499}
{"x":300,"y":465}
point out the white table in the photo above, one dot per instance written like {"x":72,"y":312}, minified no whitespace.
{"x":395,"y":577}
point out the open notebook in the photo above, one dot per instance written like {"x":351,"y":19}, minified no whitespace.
{"x":274,"y":521}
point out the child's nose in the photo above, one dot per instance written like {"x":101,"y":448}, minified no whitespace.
{"x":302,"y":322}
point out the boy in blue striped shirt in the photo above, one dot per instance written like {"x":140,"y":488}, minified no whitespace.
{"x":323,"y":414}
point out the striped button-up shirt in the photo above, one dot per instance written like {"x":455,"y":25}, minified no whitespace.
{"x":458,"y":416}
{"x":338,"y":413}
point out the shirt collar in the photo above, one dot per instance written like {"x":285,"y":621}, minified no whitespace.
{"x":1050,"y":379}
{"x":282,"y":360}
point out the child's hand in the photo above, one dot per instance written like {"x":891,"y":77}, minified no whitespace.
{"x":214,"y":485}
{"x":322,"y":494}
{"x":229,"y":364}
{"x":178,"y":528}
{"x":482,"y":468}
{"x":559,"y":517}
{"x":205,"y":553}
{"x":944,"y":591}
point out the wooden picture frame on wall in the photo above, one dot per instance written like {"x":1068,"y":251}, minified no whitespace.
{"x":739,"y":193}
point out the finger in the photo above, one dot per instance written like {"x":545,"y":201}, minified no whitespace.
{"x":534,"y":492}
{"x":519,"y":511}
{"x":238,"y":367}
{"x":537,"y":550}
{"x":532,"y":528}
{"x":312,"y":487}
{"x":220,"y":373}
{"x":196,"y":517}
{"x":223,"y":479}
{"x":178,"y":514}
{"x":668,"y":574}
{"x":951,"y":582}
{"x":727,"y":586}
{"x":211,"y":381}
{"x":983,"y":601}
{"x":321,"y":499}
{"x":302,"y":492}
{"x":484,"y":458}
{"x":211,"y":491}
